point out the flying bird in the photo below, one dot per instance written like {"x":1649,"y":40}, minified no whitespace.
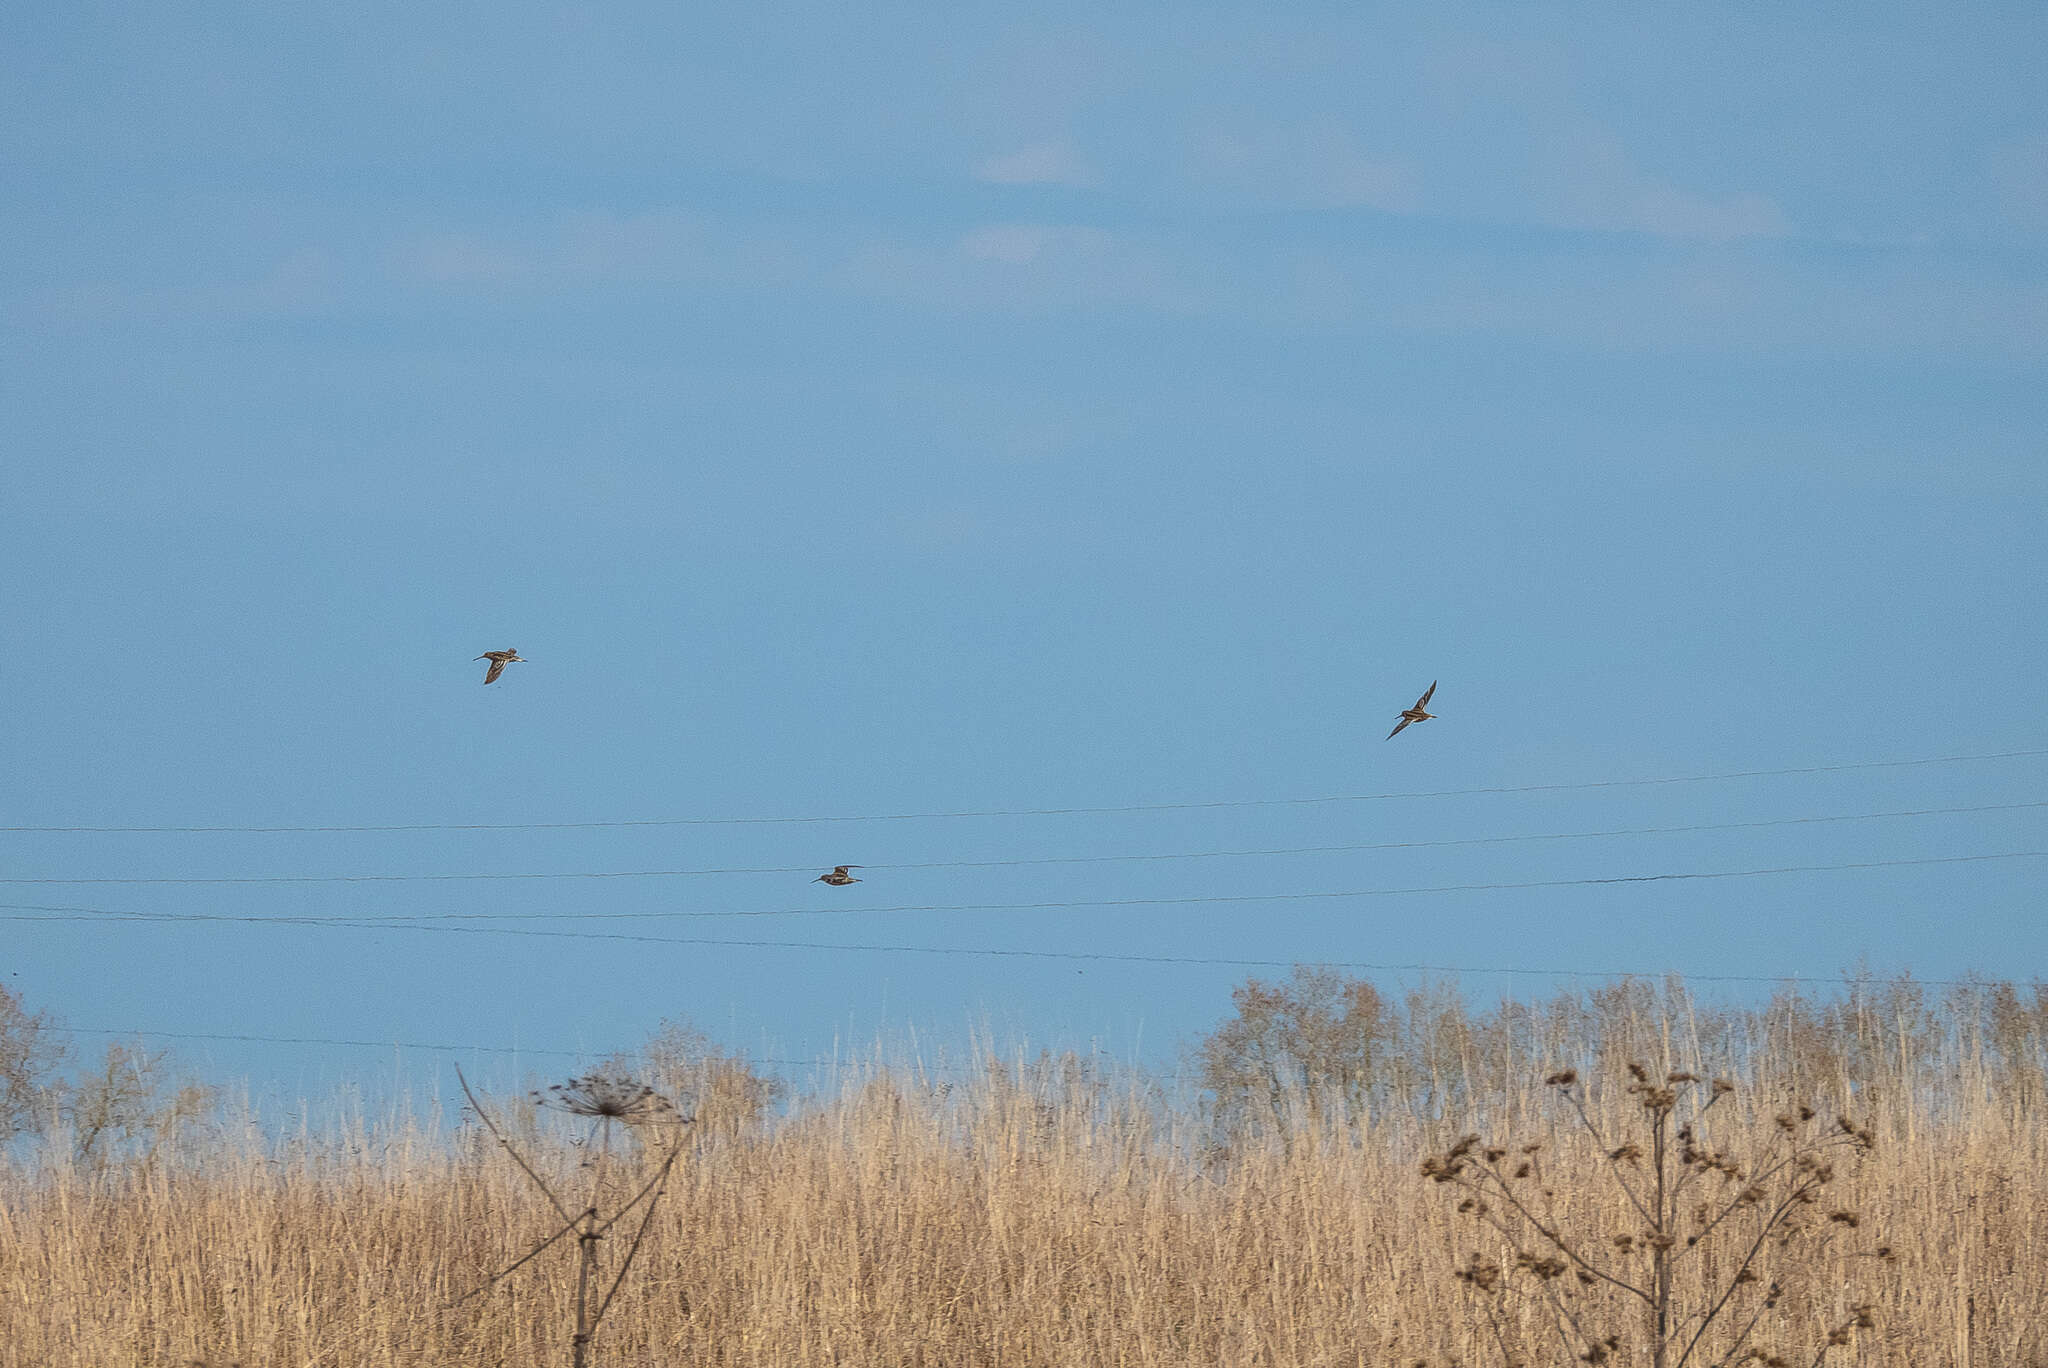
{"x":838,"y":878}
{"x":1416,"y":713}
{"x":499,"y":660}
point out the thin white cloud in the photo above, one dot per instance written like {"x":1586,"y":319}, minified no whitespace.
{"x":663,"y":246}
{"x":1028,"y":268}
{"x":1316,"y":164}
{"x":1585,"y":178}
{"x":2019,"y":177}
{"x":1672,"y":212}
{"x":673,"y":246}
{"x":1019,"y":244}
{"x":457,"y":259}
{"x":302,"y":282}
{"x":1053,"y":162}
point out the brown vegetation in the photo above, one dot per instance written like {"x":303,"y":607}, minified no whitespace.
{"x":1052,"y":1212}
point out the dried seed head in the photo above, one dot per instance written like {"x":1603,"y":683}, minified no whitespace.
{"x":606,"y":1094}
{"x":1479,"y":1272}
{"x":1563,"y":1078}
{"x":1638,"y":1073}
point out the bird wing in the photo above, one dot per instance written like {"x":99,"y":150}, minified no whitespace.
{"x":1423,"y":701}
{"x":497,"y":668}
{"x":1397,"y":729}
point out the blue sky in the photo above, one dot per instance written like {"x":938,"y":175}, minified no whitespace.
{"x":1112,"y":406}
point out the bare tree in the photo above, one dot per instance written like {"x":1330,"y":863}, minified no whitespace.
{"x":132,"y":1104}
{"x":725,"y":1094}
{"x":30,"y":1051}
{"x":1308,"y":1048}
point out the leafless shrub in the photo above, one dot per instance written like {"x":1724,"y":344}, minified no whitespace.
{"x":1718,"y":1227}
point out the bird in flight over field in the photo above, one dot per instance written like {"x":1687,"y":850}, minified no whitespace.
{"x":1416,"y":713}
{"x":838,"y":878}
{"x":499,"y":660}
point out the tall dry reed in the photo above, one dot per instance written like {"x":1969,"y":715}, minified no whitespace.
{"x":1043,"y":1213}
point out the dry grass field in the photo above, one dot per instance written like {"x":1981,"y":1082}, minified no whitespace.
{"x":1050,"y":1212}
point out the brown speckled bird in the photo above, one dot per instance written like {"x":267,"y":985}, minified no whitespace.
{"x":1416,"y":713}
{"x":838,"y":878}
{"x":499,"y":660}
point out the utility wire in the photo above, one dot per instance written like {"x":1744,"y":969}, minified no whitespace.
{"x":1099,"y":957}
{"x":411,"y":1045}
{"x":405,"y":921}
{"x":1044,"y":812}
{"x":1040,"y":860}
{"x":321,"y":1040}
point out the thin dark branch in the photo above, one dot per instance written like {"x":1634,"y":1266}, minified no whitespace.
{"x":649,"y":1187}
{"x":510,"y":1269}
{"x":640,"y":1234}
{"x":517,"y":1158}
{"x":1579,"y":1105}
{"x":1742,"y":1338}
{"x":1763,"y":1234}
{"x":1557,"y":1240}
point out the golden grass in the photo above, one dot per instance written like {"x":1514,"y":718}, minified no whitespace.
{"x":1032,"y":1215}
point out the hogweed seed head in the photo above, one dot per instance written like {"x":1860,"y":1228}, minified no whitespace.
{"x":606,"y":1095}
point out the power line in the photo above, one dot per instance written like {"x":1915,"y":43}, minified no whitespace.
{"x":1038,"y":860}
{"x":409,"y":921}
{"x":322,"y":1040}
{"x":1111,"y":957}
{"x":400,"y":1044}
{"x":1039,"y":812}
